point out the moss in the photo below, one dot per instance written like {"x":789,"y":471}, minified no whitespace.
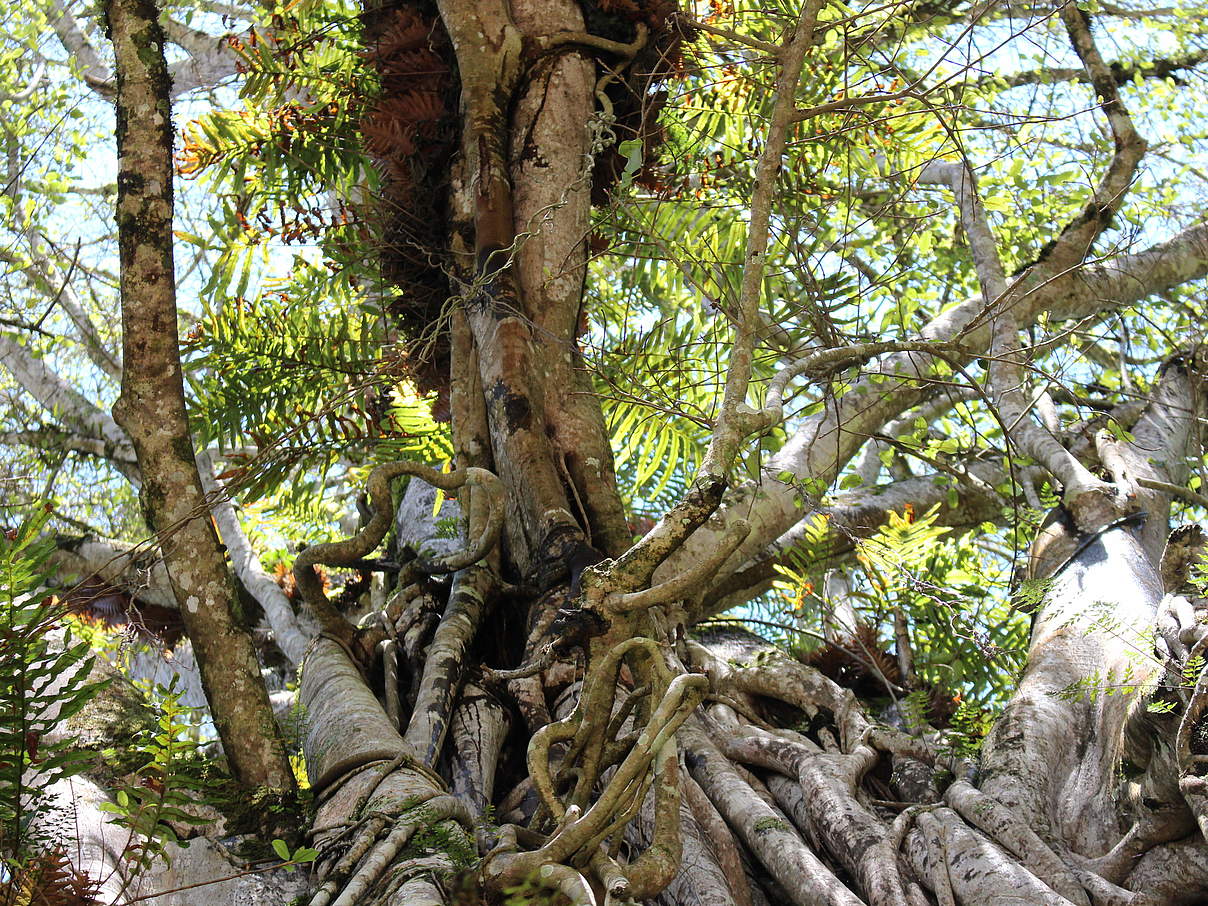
{"x":445,"y":837}
{"x":767,"y":825}
{"x":111,"y":724}
{"x":265,"y":814}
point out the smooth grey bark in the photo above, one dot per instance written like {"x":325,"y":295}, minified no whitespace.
{"x":290,"y":634}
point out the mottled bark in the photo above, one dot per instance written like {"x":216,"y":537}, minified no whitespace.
{"x":151,"y":408}
{"x":1094,"y":635}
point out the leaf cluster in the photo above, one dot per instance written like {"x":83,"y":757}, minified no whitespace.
{"x":172,"y":779}
{"x":44,"y":680}
{"x":963,"y":637}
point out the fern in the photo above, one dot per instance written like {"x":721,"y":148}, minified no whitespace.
{"x":44,"y":680}
{"x":156,"y":804}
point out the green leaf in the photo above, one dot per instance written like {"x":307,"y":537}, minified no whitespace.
{"x":631,"y":150}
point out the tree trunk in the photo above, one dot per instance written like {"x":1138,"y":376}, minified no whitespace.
{"x":151,"y":409}
{"x":620,"y":717}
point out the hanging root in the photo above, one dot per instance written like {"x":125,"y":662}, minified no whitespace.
{"x":804,"y":809}
{"x":352,"y":550}
{"x":377,"y":843}
{"x":1193,"y":766}
{"x":666,"y":754}
{"x":586,"y":828}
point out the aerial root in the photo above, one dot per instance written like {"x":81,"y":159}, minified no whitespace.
{"x":351,"y":551}
{"x":836,"y":817}
{"x":580,"y":840}
{"x":773,"y":841}
{"x":378,"y":843}
{"x":831,"y":827}
{"x":544,"y":659}
{"x":725,"y":849}
{"x":684,"y":584}
{"x":802,"y":812}
{"x":477,"y":730}
{"x":1193,"y":767}
{"x":965,"y":849}
{"x":1001,"y":825}
{"x":940,"y":877}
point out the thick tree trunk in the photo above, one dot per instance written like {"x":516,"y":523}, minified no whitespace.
{"x":151,"y":408}
{"x":529,"y":715}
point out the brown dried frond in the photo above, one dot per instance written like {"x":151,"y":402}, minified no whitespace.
{"x":412,"y":130}
{"x":414,"y":106}
{"x":400,"y":187}
{"x":870,"y":648}
{"x":627,"y":8}
{"x":387,"y":136}
{"x":284,"y":577}
{"x":941,"y":705}
{"x":49,"y":879}
{"x":406,"y":30}
{"x":422,"y":68}
{"x":857,"y":660}
{"x":354,"y":586}
{"x":636,"y":98}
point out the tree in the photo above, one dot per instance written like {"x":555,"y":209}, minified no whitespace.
{"x":151,"y":408}
{"x":841,"y":254}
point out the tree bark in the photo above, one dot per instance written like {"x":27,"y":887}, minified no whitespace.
{"x":151,"y":407}
{"x":644,"y":763}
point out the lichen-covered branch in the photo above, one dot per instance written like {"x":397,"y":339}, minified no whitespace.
{"x":734,"y":418}
{"x":288,"y":632}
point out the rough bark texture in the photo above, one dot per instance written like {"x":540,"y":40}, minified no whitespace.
{"x":151,"y":408}
{"x":629,"y":723}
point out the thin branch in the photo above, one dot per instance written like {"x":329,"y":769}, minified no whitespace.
{"x":1006,"y":368}
{"x":66,"y":298}
{"x":734,"y":418}
{"x":69,"y":407}
{"x":1163,"y":68}
{"x":35,"y":82}
{"x":1071,"y":247}
{"x":96,"y":74}
{"x":52,"y":437}
{"x":287,"y":631}
{"x":773,"y":50}
{"x":1174,"y":490}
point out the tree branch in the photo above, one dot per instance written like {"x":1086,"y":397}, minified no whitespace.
{"x":1007,"y":381}
{"x":287,"y":631}
{"x":35,"y":82}
{"x":66,"y":298}
{"x":1163,"y":68}
{"x":68,"y":406}
{"x":734,"y":419}
{"x":1071,"y":247}
{"x":96,"y":74}
{"x":52,"y":437}
{"x":851,"y":517}
{"x":135,"y":569}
